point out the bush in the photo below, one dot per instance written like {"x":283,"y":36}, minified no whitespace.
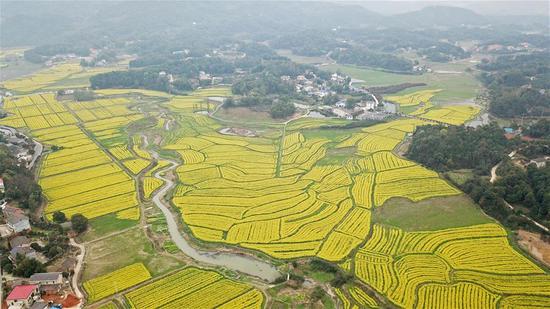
{"x":320,"y":265}
{"x":340,"y":279}
{"x":79,"y":223}
{"x":59,"y":217}
{"x":282,"y":109}
{"x":317,"y":294}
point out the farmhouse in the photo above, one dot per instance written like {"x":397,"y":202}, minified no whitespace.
{"x":22,"y":296}
{"x":27,"y":252}
{"x":16,"y":219}
{"x":47,"y":278}
{"x":20,"y":241}
{"x":341,"y":104}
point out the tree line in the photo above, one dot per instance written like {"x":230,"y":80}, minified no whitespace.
{"x":517,"y":84}
{"x":445,"y":148}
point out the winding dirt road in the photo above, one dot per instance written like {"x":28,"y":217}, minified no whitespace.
{"x":78,"y":270}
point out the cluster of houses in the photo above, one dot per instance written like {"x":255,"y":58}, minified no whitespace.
{"x":312,"y":86}
{"x":540,"y":162}
{"x":29,"y":294}
{"x":205,"y":78}
{"x":18,"y":144}
{"x":41,"y":290}
{"x":499,"y":48}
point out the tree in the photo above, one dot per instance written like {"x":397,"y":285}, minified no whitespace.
{"x":26,"y":267}
{"x":229,"y":102}
{"x":59,"y":217}
{"x":351,"y":102}
{"x":317,"y":294}
{"x":282,"y":109}
{"x":79,"y":223}
{"x":84,"y":95}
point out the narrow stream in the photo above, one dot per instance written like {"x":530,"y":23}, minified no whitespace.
{"x":241,"y":263}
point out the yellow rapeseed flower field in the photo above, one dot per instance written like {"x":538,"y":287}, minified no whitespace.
{"x":193,"y":287}
{"x":116,"y":281}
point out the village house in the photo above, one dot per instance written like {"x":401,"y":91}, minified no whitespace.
{"x":48,"y":282}
{"x":22,"y":296}
{"x":20,"y":241}
{"x":16,"y":219}
{"x":27,"y":252}
{"x":341,"y":104}
{"x":47,"y":278}
{"x":369,"y":104}
{"x":217,"y":80}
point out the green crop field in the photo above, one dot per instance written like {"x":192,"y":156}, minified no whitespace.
{"x":455,"y":87}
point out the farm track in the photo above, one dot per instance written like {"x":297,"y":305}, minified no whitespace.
{"x":77,"y":270}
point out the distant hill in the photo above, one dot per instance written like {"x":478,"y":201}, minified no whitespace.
{"x":24,"y":23}
{"x":440,"y":16}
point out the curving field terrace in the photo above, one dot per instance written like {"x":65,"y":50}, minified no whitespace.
{"x":269,"y":194}
{"x":193,"y":287}
{"x":275,"y":193}
{"x":272,"y":193}
{"x":79,"y":177}
{"x":469,"y":267}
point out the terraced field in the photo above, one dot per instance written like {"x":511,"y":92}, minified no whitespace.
{"x":60,"y":76}
{"x":269,"y":194}
{"x":116,"y":281}
{"x":469,"y":267}
{"x":414,"y":98}
{"x":451,"y":114}
{"x":79,"y":177}
{"x":193,"y":287}
{"x":278,"y":194}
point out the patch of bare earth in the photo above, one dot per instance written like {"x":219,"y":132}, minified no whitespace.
{"x":536,"y":246}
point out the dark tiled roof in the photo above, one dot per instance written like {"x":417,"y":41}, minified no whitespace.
{"x":45,"y":276}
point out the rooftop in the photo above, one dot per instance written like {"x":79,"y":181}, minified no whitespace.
{"x":22,"y":250}
{"x":19,"y":241}
{"x":45,"y":276}
{"x":22,"y":292}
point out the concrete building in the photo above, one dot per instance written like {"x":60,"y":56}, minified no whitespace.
{"x":22,"y":296}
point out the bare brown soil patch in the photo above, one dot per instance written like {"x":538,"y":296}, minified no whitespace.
{"x":537,"y":247}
